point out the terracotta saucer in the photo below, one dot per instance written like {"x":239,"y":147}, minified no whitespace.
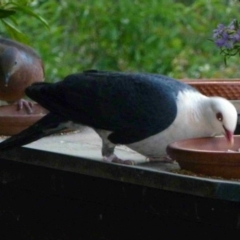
{"x":13,"y":121}
{"x":211,"y":156}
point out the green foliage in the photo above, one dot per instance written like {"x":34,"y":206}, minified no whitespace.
{"x":8,"y":11}
{"x":168,"y":37}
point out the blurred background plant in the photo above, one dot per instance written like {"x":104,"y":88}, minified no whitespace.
{"x":8,"y":10}
{"x":227,"y":38}
{"x":167,"y":37}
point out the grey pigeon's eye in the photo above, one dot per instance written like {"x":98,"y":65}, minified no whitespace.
{"x":219,"y":117}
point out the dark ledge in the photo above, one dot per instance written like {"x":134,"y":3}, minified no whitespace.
{"x":153,"y":175}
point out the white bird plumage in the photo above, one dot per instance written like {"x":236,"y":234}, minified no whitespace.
{"x":197,"y":117}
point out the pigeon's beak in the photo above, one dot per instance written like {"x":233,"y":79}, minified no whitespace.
{"x":6,"y":79}
{"x":229,"y":136}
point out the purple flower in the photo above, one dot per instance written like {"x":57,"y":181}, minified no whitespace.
{"x":221,"y":37}
{"x":223,"y":42}
{"x":227,"y":37}
{"x":236,"y":36}
{"x":218,"y":32}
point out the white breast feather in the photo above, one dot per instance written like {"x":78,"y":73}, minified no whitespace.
{"x":189,"y":123}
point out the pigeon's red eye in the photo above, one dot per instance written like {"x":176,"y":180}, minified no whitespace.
{"x":219,"y":117}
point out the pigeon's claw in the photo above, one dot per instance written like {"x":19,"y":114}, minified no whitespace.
{"x":114,"y":159}
{"x":24,"y":104}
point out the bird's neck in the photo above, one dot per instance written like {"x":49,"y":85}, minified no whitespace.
{"x":193,"y":103}
{"x":195,"y":107}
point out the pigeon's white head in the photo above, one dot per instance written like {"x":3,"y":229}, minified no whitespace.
{"x":223,"y":117}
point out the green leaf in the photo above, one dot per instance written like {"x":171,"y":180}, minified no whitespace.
{"x":13,"y":19}
{"x":31,"y":13}
{"x":15,"y":32}
{"x":6,"y":13}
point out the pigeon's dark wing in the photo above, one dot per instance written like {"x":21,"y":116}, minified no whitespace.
{"x":132,"y":106}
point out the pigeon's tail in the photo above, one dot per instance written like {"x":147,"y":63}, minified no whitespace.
{"x":47,"y":125}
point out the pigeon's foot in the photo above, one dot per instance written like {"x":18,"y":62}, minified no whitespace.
{"x":24,"y":104}
{"x":163,"y":159}
{"x":113,"y":158}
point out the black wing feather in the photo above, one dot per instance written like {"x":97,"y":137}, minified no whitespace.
{"x":140,"y":105}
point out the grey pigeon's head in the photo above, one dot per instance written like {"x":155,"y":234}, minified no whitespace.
{"x":9,"y":62}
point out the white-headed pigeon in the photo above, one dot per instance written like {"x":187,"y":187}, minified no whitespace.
{"x":145,"y":112}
